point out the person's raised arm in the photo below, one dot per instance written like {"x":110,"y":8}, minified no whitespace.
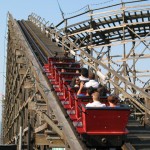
{"x":80,"y":88}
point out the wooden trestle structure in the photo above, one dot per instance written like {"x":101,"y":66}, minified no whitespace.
{"x":113,"y":43}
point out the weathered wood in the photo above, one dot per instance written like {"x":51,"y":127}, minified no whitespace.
{"x":22,"y":71}
{"x":116,"y":81}
{"x":53,"y":137}
{"x":42,"y":87}
{"x":147,"y":116}
{"x":17,"y":116}
{"x":40,"y":139}
{"x":49,"y":132}
{"x":18,"y":52}
{"x":25,"y":130}
{"x":52,"y":124}
{"x":28,"y":85}
{"x":32,"y":106}
{"x":21,"y":60}
{"x":41,"y":107}
{"x":40,"y":128}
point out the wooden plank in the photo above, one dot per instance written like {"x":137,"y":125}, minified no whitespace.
{"x":18,"y":52}
{"x":40,"y":139}
{"x":25,"y":130}
{"x":116,"y":81}
{"x":20,"y":60}
{"x":22,"y":71}
{"x":20,"y":109}
{"x":42,"y":107}
{"x":28,"y":85}
{"x":32,"y":106}
{"x":49,"y":132}
{"x":40,"y":128}
{"x":51,"y":123}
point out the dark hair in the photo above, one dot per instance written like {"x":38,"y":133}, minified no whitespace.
{"x":84,"y":72}
{"x":91,"y":90}
{"x":102,"y":90}
{"x":113,"y":99}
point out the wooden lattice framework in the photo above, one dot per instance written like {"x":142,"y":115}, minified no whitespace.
{"x":114,"y":43}
{"x":27,"y":114}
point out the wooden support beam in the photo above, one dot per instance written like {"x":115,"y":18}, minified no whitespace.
{"x":49,"y":132}
{"x":22,"y":71}
{"x":18,"y":52}
{"x":25,"y":130}
{"x":32,"y":106}
{"x":116,"y":81}
{"x":52,"y":124}
{"x":21,"y":60}
{"x":28,"y":85}
{"x":17,"y":115}
{"x":40,"y":128}
{"x":40,"y":139}
{"x":41,"y":106}
{"x":37,"y":106}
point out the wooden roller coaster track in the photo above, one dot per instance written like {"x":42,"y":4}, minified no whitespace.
{"x":113,"y":43}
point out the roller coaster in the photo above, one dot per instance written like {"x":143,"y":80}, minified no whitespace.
{"x":41,"y":110}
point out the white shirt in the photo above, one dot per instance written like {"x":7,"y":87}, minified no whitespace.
{"x":92,"y":83}
{"x":83,"y":78}
{"x":95,"y":104}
